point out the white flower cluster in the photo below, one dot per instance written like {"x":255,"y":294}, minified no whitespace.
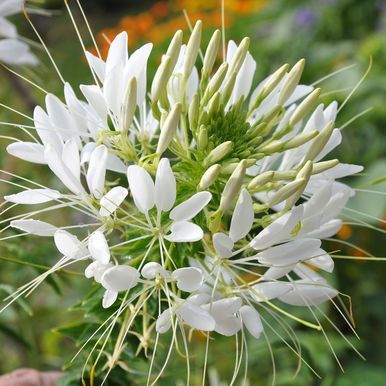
{"x":12,"y":49}
{"x":201,"y":197}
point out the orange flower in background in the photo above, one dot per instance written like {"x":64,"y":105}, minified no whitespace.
{"x":165,"y":17}
{"x":345,"y":232}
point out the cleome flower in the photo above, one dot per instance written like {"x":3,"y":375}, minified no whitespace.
{"x":203,"y":202}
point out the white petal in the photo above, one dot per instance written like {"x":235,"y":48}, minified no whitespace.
{"x":152,"y":269}
{"x":224,"y":308}
{"x":228,"y":326}
{"x":165,"y":186}
{"x":269,"y":290}
{"x":251,"y":320}
{"x":68,"y":244}
{"x":195,"y":316}
{"x":141,"y":187}
{"x":96,"y":172}
{"x":184,"y":231}
{"x":188,"y":279}
{"x":112,"y":200}
{"x":97,"y":64}
{"x":243,"y":216}
{"x":223,"y":245}
{"x":62,"y":172}
{"x":33,"y":196}
{"x":323,"y":261}
{"x":117,"y":52}
{"x":279,"y":230}
{"x":27,"y":151}
{"x":189,"y":208}
{"x":70,"y":157}
{"x":109,"y":298}
{"x":342,"y":170}
{"x":306,"y":293}
{"x":34,"y":227}
{"x":164,"y":321}
{"x":291,"y":252}
{"x":98,"y":247}
{"x":274,"y":273}
{"x":120,"y":278}
{"x":96,"y":270}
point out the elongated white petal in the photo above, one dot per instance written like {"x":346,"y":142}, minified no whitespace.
{"x":191,"y":207}
{"x":120,"y":278}
{"x":164,"y":322}
{"x":195,"y":316}
{"x":322,"y":261}
{"x":228,"y":326}
{"x":291,"y":252}
{"x":152,"y":269}
{"x":274,"y":273}
{"x":223,"y":245}
{"x":34,"y":227}
{"x":70,"y":157}
{"x":98,"y":247}
{"x":109,"y":298}
{"x":112,"y":200}
{"x":269,"y":290}
{"x":243,"y":216}
{"x":97,"y":171}
{"x":306,"y":293}
{"x":27,"y":151}
{"x":184,"y":231}
{"x":33,"y":196}
{"x":224,"y":308}
{"x":62,"y":172}
{"x":141,"y":187}
{"x":251,"y":320}
{"x":165,"y":186}
{"x":279,"y":230}
{"x":96,"y":270}
{"x":68,"y":244}
{"x":188,"y":279}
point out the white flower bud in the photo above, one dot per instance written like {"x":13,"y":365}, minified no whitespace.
{"x":305,"y":107}
{"x":211,"y":53}
{"x":261,"y":179}
{"x":209,"y":177}
{"x":202,"y":138}
{"x":239,"y":57}
{"x":215,"y":83}
{"x":323,"y":166}
{"x":169,"y":128}
{"x":320,"y":141}
{"x":129,"y":105}
{"x":192,"y":49}
{"x":291,"y":81}
{"x":174,"y":50}
{"x":218,"y":153}
{"x":233,"y":186}
{"x":304,"y":174}
{"x":193,"y":113}
{"x":273,"y":81}
{"x":161,"y":78}
{"x":287,"y":191}
{"x":300,"y":139}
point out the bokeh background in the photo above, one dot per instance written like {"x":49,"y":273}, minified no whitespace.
{"x":332,"y":35}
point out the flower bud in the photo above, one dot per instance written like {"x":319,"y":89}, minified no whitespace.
{"x":287,"y":191}
{"x":214,"y":104}
{"x":218,"y":153}
{"x":233,"y":186}
{"x":273,"y":81}
{"x":272,"y":147}
{"x":209,"y":177}
{"x":304,"y":174}
{"x":300,"y":139}
{"x":323,"y":166}
{"x":174,"y":49}
{"x":261,"y":180}
{"x":228,"y":88}
{"x":169,"y":128}
{"x":129,"y":105}
{"x":291,"y":82}
{"x":239,"y":57}
{"x":305,"y":107}
{"x":320,"y":141}
{"x":211,"y":53}
{"x":202,"y":138}
{"x":193,"y":113}
{"x":161,"y":78}
{"x":215,"y":83}
{"x":192,"y":49}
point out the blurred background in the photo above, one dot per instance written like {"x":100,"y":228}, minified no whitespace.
{"x":332,"y":35}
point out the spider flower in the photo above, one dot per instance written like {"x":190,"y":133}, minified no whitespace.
{"x":201,"y":203}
